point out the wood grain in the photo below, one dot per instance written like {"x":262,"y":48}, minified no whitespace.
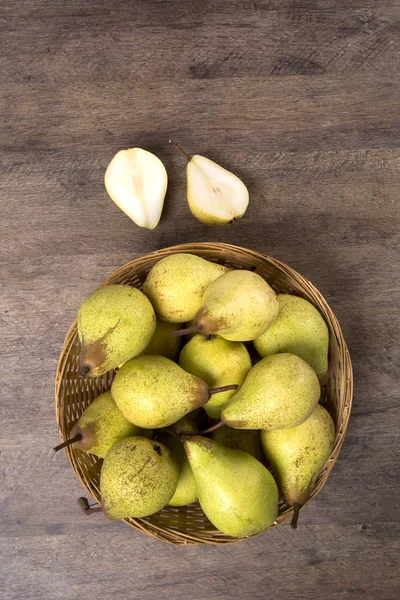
{"x":301,"y":100}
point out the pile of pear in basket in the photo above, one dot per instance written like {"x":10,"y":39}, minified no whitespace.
{"x":203,"y":393}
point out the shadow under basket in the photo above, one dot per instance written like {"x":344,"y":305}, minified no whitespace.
{"x":188,"y":524}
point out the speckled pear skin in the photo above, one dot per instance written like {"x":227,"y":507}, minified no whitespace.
{"x":186,"y":491}
{"x":176,"y":285}
{"x":102,"y":425}
{"x":218,"y":362}
{"x":299,"y":454}
{"x":138,"y":478}
{"x":236,"y":492}
{"x":299,"y":329}
{"x":163,"y":343}
{"x":280,"y":391}
{"x":246,"y":440}
{"x":115,"y":323}
{"x":154,"y":392}
{"x":239,"y":306}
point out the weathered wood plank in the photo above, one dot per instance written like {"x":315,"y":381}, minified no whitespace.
{"x":157,"y":41}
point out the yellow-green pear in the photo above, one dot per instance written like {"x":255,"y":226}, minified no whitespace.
{"x":299,"y":454}
{"x":215,"y":196}
{"x":100,"y":426}
{"x":138,"y":478}
{"x":299,"y":329}
{"x":246,"y":440}
{"x":136,"y":180}
{"x":280,"y":391}
{"x":176,"y":285}
{"x":238,"y":306}
{"x":218,"y":362}
{"x":236,"y":492}
{"x":115,"y":323}
{"x":154,"y":392}
{"x":186,"y":492}
{"x":163,"y":342}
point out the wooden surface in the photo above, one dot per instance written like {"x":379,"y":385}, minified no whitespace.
{"x":300,"y":99}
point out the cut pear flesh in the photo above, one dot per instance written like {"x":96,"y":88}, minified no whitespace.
{"x":137,"y":182}
{"x":215,"y":195}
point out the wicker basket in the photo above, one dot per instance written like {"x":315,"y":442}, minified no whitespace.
{"x":188,"y":524}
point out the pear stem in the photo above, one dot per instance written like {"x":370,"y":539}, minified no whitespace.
{"x":86,"y":508}
{"x":186,"y":331}
{"x":170,"y":432}
{"x":175,"y":145}
{"x":223,"y":388}
{"x":296,"y":511}
{"x":77,"y":438}
{"x":84,"y":371}
{"x":208,"y":430}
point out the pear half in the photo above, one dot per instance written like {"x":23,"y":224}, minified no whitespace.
{"x":215,"y":196}
{"x":136,"y":180}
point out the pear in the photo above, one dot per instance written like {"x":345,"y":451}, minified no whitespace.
{"x":218,"y":362}
{"x":215,"y":196}
{"x":154,"y":392}
{"x":136,"y":180}
{"x":280,"y":391}
{"x":115,"y":323}
{"x":299,"y":454}
{"x":100,"y":426}
{"x":138,"y":478}
{"x":299,"y":329}
{"x":247,"y":440}
{"x":163,"y":343}
{"x":238,"y":306}
{"x":236,"y":492}
{"x":185,"y":492}
{"x":176,"y":284}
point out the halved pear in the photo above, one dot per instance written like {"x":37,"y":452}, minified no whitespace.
{"x":137,"y":182}
{"x":215,"y":196}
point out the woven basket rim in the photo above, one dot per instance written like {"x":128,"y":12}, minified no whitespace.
{"x":179,"y":537}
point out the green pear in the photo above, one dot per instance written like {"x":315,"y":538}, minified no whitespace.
{"x":176,"y":284}
{"x":138,"y":478}
{"x":299,"y":454}
{"x":280,"y":391}
{"x":218,"y":362}
{"x":299,"y":329}
{"x":100,"y":426}
{"x":246,"y":440}
{"x":115,"y":323}
{"x":238,"y":306}
{"x":154,"y":392}
{"x":185,"y":492}
{"x":163,"y":343}
{"x":236,"y":492}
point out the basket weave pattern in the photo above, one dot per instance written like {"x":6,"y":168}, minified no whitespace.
{"x":188,"y":524}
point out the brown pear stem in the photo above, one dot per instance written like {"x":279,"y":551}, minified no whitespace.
{"x":77,"y":438}
{"x":175,"y":145}
{"x":86,"y":508}
{"x":223,"y":388}
{"x":84,"y":371}
{"x":186,"y":331}
{"x":296,"y":511}
{"x":208,"y":430}
{"x":170,"y":432}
